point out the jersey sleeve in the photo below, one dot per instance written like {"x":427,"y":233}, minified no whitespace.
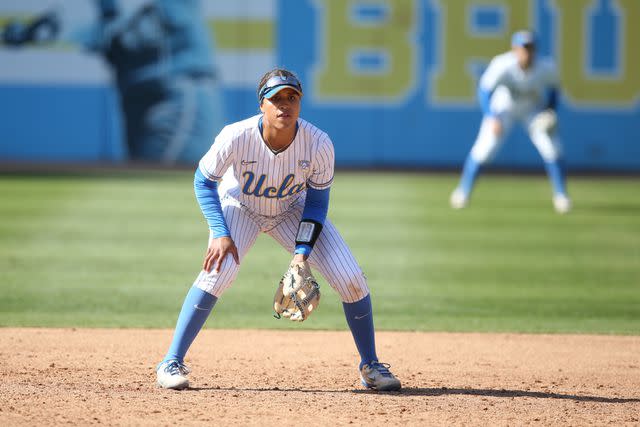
{"x":219,"y":157}
{"x":494,"y":75}
{"x":323,"y":165}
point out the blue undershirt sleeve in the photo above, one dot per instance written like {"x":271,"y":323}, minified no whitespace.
{"x":316,"y":206}
{"x":484,"y":97}
{"x":551,"y":98}
{"x":209,"y":201}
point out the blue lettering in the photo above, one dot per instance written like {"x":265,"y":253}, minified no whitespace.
{"x":259,"y":184}
{"x":284,"y":190}
{"x":269,"y":191}
{"x":247,"y":185}
{"x":283,"y":187}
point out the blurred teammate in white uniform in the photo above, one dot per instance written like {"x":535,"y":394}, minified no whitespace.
{"x":517,"y":87}
{"x":276,"y":170}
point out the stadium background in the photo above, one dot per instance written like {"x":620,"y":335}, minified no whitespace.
{"x":504,"y":313}
{"x":392,"y":82}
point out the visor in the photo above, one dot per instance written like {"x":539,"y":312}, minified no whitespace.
{"x":523,"y":39}
{"x":276,"y":83}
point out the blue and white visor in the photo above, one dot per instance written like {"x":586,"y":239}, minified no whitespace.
{"x":276,"y":83}
{"x":523,"y":39}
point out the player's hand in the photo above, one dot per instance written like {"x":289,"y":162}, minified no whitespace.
{"x":217,"y":251}
{"x":299,"y":258}
{"x":496,"y":126}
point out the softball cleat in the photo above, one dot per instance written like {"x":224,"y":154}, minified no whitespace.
{"x":561,"y":203}
{"x":458,"y":199}
{"x":377,"y":376}
{"x":173,"y":375}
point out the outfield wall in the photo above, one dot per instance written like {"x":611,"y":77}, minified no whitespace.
{"x":391,"y":81}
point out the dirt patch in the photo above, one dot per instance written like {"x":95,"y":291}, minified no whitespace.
{"x":106,"y":376}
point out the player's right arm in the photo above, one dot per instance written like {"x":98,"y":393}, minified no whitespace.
{"x":210,"y":170}
{"x":493,"y":76}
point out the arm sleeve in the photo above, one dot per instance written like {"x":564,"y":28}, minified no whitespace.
{"x":209,"y":201}
{"x":322,"y":165}
{"x":316,"y":206}
{"x":492,"y":77}
{"x":484,"y":98}
{"x":551,"y":98}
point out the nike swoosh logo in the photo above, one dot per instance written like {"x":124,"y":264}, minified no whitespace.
{"x":248,"y":162}
{"x":200,"y":308}
{"x":361,"y":317}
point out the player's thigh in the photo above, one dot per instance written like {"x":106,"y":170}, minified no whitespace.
{"x":244,"y":232}
{"x":331,"y":257}
{"x":547,"y":144}
{"x":488,"y":142}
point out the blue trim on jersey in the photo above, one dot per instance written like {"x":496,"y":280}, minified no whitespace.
{"x":484,"y":97}
{"x":209,"y":201}
{"x":316,"y":206}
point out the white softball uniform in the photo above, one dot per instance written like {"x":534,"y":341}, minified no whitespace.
{"x":264,"y":192}
{"x":517,"y":96}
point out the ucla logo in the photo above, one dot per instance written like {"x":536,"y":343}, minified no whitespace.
{"x":257,"y":188}
{"x":304,"y":164}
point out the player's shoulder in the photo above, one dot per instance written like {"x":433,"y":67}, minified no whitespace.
{"x":236,"y":130}
{"x":312,"y":132}
{"x":505,"y":60}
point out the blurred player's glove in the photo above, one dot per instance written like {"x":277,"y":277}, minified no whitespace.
{"x":298,"y":293}
{"x":545,"y":121}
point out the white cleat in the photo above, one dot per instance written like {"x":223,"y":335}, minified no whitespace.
{"x":377,"y":376}
{"x":458,"y":199}
{"x":173,"y":375}
{"x":561,"y":203}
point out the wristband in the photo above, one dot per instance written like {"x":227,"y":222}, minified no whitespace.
{"x":308,"y":232}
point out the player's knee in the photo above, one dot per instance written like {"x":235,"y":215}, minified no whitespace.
{"x":481,"y":156}
{"x":354,"y":288}
{"x":549,"y":149}
{"x":216,"y":283}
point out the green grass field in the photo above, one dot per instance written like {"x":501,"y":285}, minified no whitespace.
{"x":121,"y":250}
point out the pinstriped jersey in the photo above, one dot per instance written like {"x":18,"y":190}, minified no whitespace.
{"x":269,"y":183}
{"x":525,"y":87}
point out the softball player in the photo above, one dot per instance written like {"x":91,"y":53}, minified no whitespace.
{"x":517,"y":87}
{"x":275,"y":170}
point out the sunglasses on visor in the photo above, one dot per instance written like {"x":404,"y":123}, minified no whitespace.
{"x":270,"y":87}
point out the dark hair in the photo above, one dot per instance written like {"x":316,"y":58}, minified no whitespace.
{"x":275,"y":72}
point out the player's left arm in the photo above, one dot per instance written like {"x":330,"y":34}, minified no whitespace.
{"x":316,"y":205}
{"x":551,"y":92}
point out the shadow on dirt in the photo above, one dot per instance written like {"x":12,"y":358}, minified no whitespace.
{"x":416,"y":391}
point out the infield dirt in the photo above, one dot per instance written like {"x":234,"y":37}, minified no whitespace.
{"x":265,"y":377}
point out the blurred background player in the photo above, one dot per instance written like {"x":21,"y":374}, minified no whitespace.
{"x":517,"y":86}
{"x":161,"y":55}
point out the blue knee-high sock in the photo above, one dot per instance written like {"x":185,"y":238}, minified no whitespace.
{"x":360,"y":319}
{"x":195,"y":310}
{"x":469,"y":175}
{"x":555,"y":171}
